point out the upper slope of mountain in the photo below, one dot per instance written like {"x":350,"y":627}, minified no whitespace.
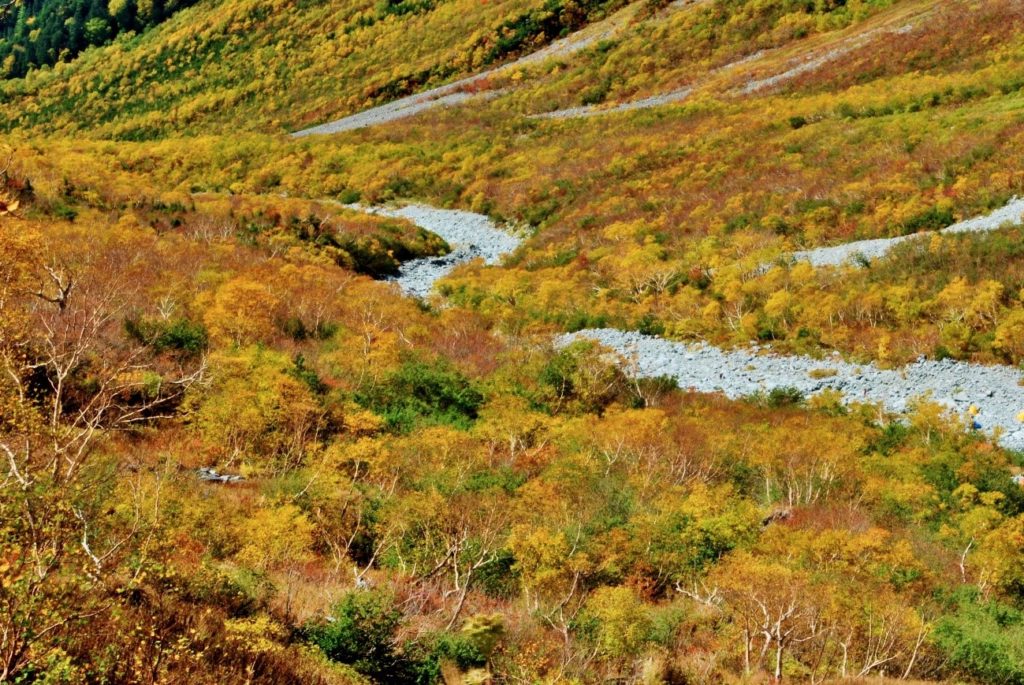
{"x":255,"y":65}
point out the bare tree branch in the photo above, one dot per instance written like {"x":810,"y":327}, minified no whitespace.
{"x":63,"y":283}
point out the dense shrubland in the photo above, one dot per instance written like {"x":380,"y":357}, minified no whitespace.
{"x":427,"y":498}
{"x":434,"y":492}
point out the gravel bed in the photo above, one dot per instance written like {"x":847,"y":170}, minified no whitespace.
{"x":801,"y":68}
{"x":470,"y":235}
{"x":867,"y":250}
{"x":445,"y":96}
{"x":585,"y":111}
{"x":996,"y":390}
{"x":671,"y":97}
{"x":806,"y":65}
{"x":813,"y":63}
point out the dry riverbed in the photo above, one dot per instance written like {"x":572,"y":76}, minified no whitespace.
{"x":996,"y":390}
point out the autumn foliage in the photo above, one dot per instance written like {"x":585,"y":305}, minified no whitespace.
{"x":232,"y":451}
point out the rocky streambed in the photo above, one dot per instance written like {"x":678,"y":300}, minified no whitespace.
{"x":1009,"y":214}
{"x":995,"y":390}
{"x":470,"y":235}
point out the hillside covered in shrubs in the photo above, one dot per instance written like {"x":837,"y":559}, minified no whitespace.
{"x":232,"y":450}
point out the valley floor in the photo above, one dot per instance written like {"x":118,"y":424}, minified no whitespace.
{"x":997,"y":391}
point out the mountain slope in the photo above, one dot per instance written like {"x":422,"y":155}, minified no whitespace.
{"x":234,"y":449}
{"x":258,"y":65}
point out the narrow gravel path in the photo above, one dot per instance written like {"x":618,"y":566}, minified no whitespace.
{"x":671,"y":97}
{"x":444,"y":96}
{"x":584,"y":111}
{"x":802,"y":64}
{"x":811,"y":63}
{"x":456,"y":92}
{"x":996,"y":390}
{"x":805,"y":64}
{"x":471,"y":236}
{"x":1010,"y":214}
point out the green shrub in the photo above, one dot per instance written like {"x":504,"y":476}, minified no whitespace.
{"x":427,"y":655}
{"x":783,"y":396}
{"x":983,"y":640}
{"x":649,"y":324}
{"x":580,"y":378}
{"x":595,"y":95}
{"x":892,"y":437}
{"x":360,"y":632}
{"x":349,"y":196}
{"x":309,"y":376}
{"x":578,"y":320}
{"x":178,"y":335}
{"x":65,"y":212}
{"x":423,"y":393}
{"x":930,"y":219}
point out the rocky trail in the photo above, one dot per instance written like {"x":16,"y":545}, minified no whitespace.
{"x":996,"y":390}
{"x":584,"y":111}
{"x":671,"y":97}
{"x":444,"y":96}
{"x":458,"y":92}
{"x":1012,"y":213}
